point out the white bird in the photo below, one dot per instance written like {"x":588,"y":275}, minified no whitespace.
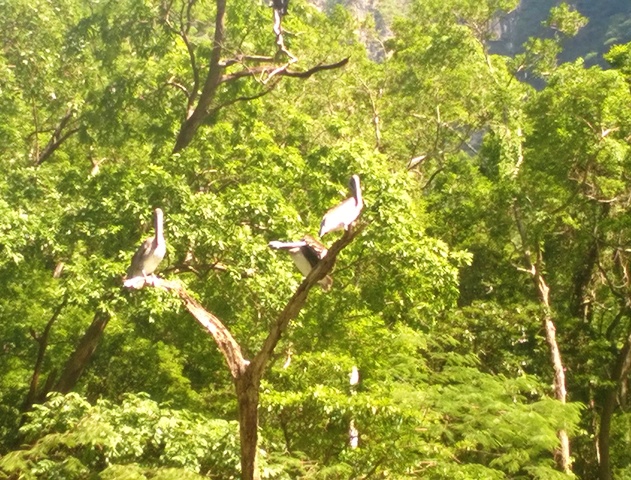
{"x":150,"y":254}
{"x":343,"y":215}
{"x":354,"y":377}
{"x":306,"y":254}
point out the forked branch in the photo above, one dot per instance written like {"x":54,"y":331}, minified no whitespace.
{"x":59,"y":136}
{"x":227,"y":344}
{"x":202,"y":96}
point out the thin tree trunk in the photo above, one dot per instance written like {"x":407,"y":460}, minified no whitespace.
{"x":564,"y":460}
{"x":42,"y":341}
{"x":83,"y":353}
{"x":535,"y":268}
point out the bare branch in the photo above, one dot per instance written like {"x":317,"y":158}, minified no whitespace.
{"x":179,"y":86}
{"x":281,"y":70}
{"x":297,"y":301}
{"x":57,"y":138}
{"x":375,"y":114}
{"x":37,"y":130}
{"x":245,"y":98}
{"x":244,"y":58}
{"x":278,"y":31}
{"x":222,"y":336}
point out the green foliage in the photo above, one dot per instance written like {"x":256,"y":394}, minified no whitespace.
{"x":566,"y":20}
{"x":69,"y":437}
{"x":432,"y":303}
{"x":619,"y":56}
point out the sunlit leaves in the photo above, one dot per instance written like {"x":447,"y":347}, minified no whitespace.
{"x":69,"y":434}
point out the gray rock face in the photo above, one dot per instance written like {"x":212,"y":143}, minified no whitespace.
{"x":609,"y":24}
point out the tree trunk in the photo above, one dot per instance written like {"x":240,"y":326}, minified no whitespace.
{"x":42,"y":341}
{"x":535,"y":268}
{"x":83,"y":353}
{"x":247,"y":387}
{"x":247,"y":375}
{"x":196,"y":116}
{"x":563,"y":455}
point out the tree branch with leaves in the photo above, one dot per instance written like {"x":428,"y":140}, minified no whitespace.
{"x":203,"y":103}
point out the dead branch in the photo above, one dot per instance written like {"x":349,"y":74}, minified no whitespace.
{"x":245,"y":58}
{"x":179,"y":86}
{"x":202,"y":95}
{"x":281,"y":70}
{"x":244,"y":98}
{"x":37,"y":130}
{"x":278,"y":31}
{"x":375,"y":114}
{"x":247,"y":375}
{"x":222,"y":336}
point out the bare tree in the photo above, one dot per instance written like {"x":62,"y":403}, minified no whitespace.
{"x":247,"y":374}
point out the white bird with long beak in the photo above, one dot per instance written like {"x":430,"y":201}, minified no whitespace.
{"x":149,"y":255}
{"x":343,"y":215}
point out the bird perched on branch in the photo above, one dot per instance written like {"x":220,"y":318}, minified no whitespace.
{"x":343,"y":215}
{"x":306,"y":254}
{"x":149,"y":255}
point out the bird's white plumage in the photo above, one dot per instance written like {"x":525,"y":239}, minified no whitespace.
{"x":150,"y":254}
{"x":301,"y":262}
{"x":343,"y":215}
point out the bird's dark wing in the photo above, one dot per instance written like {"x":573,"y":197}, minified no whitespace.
{"x":315,"y":246}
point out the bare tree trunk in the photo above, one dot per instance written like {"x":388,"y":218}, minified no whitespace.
{"x":83,"y":353}
{"x":563,"y":456}
{"x":535,"y":268}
